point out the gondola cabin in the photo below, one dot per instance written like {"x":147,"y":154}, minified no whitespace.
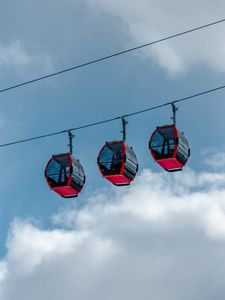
{"x":117,"y":163}
{"x":169,"y":148}
{"x":65,"y":175}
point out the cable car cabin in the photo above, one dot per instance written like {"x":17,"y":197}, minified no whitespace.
{"x":117,"y":163}
{"x":65,"y":175}
{"x":169,"y":148}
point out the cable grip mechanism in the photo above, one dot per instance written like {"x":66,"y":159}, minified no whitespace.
{"x":124,"y":123}
{"x":70,"y":145}
{"x":174,"y":109}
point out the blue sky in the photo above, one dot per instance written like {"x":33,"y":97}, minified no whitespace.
{"x":46,"y":36}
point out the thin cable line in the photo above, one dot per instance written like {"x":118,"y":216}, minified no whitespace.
{"x":110,"y":56}
{"x":115,"y":118}
{"x":176,"y":101}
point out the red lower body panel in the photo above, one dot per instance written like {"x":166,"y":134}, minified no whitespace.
{"x":65,"y":191}
{"x":170,"y":164}
{"x":118,"y":179}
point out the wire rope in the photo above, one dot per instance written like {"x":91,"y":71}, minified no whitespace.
{"x":110,"y":56}
{"x":115,"y":118}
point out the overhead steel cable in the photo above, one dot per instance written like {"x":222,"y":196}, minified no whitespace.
{"x":91,"y":62}
{"x":59,"y":132}
{"x":176,"y":101}
{"x":115,"y":118}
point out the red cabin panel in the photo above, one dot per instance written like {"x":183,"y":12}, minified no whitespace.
{"x":118,"y":179}
{"x":170,"y":164}
{"x":66,"y":191}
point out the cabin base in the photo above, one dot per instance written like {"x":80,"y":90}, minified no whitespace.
{"x":66,"y":191}
{"x":118,"y":180}
{"x":170,"y":164}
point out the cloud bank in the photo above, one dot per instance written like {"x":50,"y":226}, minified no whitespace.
{"x":161,"y":238}
{"x":215,"y":159}
{"x":149,"y":20}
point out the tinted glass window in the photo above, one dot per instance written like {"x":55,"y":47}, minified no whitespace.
{"x":131,"y":163}
{"x":183,"y":149}
{"x":157,"y":140}
{"x":163,"y":143}
{"x":111,"y":159}
{"x":78,"y":176}
{"x":130,"y":154}
{"x":57,"y":173}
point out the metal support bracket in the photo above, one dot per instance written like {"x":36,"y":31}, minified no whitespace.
{"x":174,"y":108}
{"x":124,"y":123}
{"x":71,"y":136}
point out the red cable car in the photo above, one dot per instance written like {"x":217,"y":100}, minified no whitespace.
{"x":169,"y":146}
{"x":64,"y":174}
{"x":117,"y":161}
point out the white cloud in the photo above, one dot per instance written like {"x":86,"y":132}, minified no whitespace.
{"x":165,"y":230}
{"x":149,"y":20}
{"x":15,"y":57}
{"x":215,"y":159}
